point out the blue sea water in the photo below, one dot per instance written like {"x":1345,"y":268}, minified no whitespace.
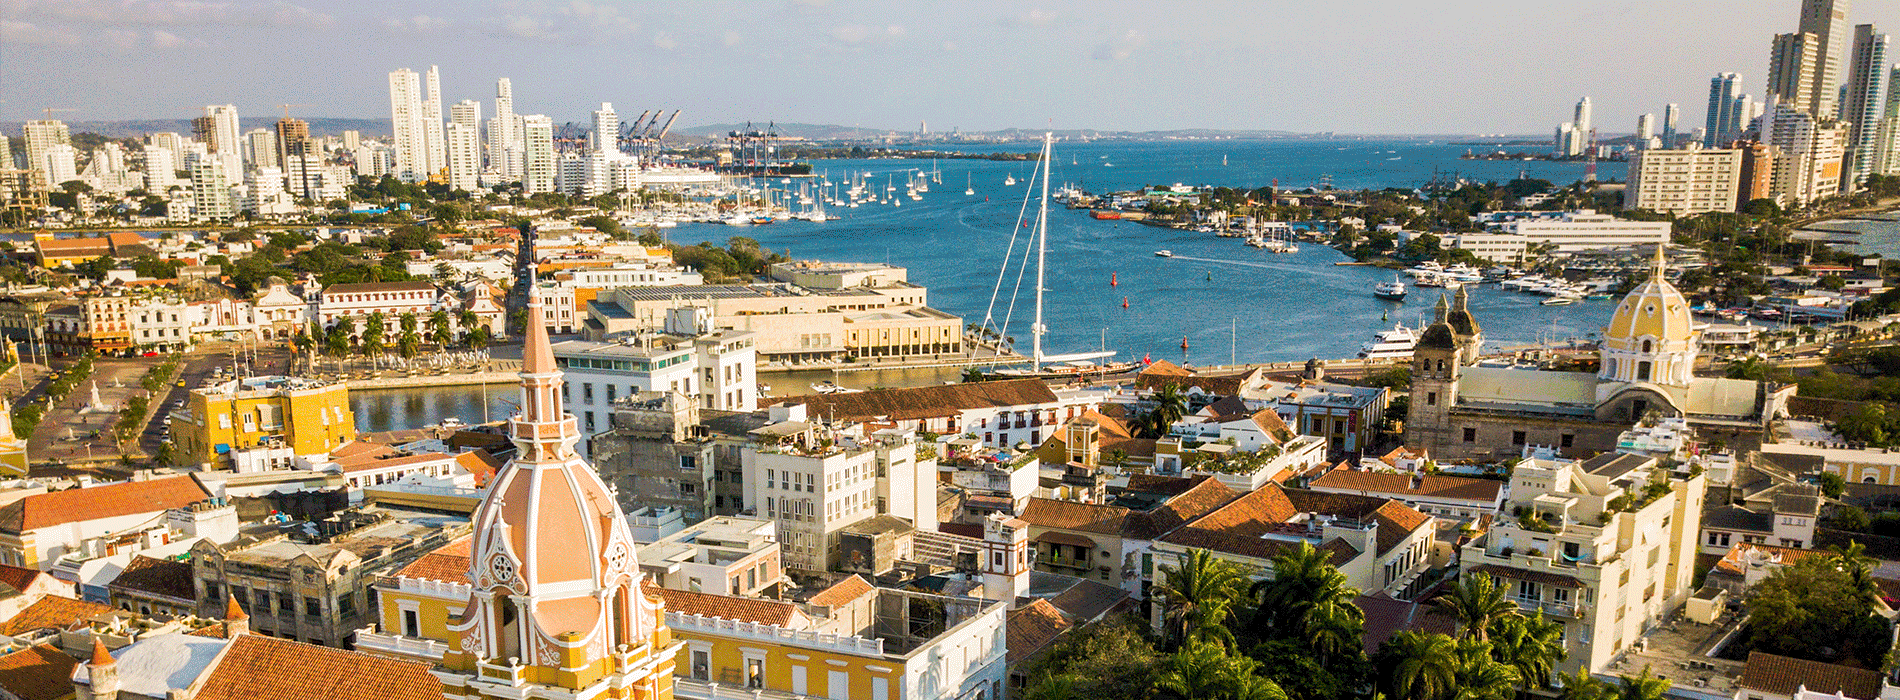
{"x":1228,"y":301}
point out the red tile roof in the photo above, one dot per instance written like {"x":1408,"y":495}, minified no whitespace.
{"x":19,"y":577}
{"x":1032,"y":628}
{"x":1434,"y":486}
{"x":159,"y":577}
{"x":768,"y":612}
{"x":52,"y":611}
{"x":40,"y":672}
{"x":1070,"y":515}
{"x":842,"y":592}
{"x":255,"y":667}
{"x":360,"y":287}
{"x":1782,"y":675}
{"x":448,"y":563}
{"x":96,"y":502}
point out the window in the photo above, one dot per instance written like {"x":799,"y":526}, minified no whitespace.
{"x":311,"y":607}
{"x":1647,"y":346}
{"x":1566,"y":439}
{"x":587,"y":392}
{"x":689,"y":463}
{"x":610,"y":392}
{"x":590,"y":421}
{"x":1471,"y":434}
{"x":1642,"y":371}
{"x":1517,"y":437}
{"x":702,"y":664}
{"x":1718,"y":539}
{"x":1431,"y":398}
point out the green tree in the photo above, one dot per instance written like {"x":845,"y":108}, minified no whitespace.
{"x":1416,"y":665}
{"x":1198,"y":595}
{"x":1867,"y":423}
{"x":1207,"y":669}
{"x":440,"y":332}
{"x":479,"y":338}
{"x":1583,"y":686}
{"x":1480,"y":677}
{"x":1642,"y":686}
{"x":1109,"y":659}
{"x":1308,"y":599}
{"x":467,"y":321}
{"x":407,"y":322}
{"x":374,"y":333}
{"x":1476,"y":602}
{"x":409,"y":344}
{"x":1530,"y":645}
{"x":1816,"y":609}
{"x":1169,"y":404}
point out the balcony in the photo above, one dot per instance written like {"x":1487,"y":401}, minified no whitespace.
{"x":368,"y":639}
{"x":685,"y":687}
{"x":1549,"y":608}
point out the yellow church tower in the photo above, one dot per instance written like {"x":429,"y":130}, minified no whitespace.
{"x":557,"y":608}
{"x":12,"y":447}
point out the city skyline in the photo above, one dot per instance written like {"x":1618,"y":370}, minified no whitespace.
{"x":1363,"y":68}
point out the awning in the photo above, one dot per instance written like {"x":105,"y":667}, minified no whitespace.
{"x":1054,"y":537}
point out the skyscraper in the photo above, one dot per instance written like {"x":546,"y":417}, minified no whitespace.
{"x":219,"y":129}
{"x":40,"y":136}
{"x":606,"y":134}
{"x":1585,"y":127}
{"x":1793,"y":67}
{"x":465,"y":157}
{"x":537,"y":149}
{"x":1645,"y":128}
{"x":434,"y":145}
{"x":1671,"y":114}
{"x":260,"y":148}
{"x":405,"y":121}
{"x":1887,"y":140}
{"x":1826,"y":20}
{"x":1866,"y":103}
{"x":293,"y":139}
{"x":1723,"y":122}
{"x":504,"y":133}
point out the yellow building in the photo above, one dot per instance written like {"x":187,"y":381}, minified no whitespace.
{"x":303,"y":416}
{"x":548,"y":601}
{"x":13,"y":458}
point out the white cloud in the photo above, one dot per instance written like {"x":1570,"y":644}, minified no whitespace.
{"x":858,"y":34}
{"x":732,"y":39}
{"x":162,"y":39}
{"x":665,"y":42}
{"x":1036,"y":17}
{"x":420,"y":24}
{"x":173,"y":13}
{"x":575,"y":22}
{"x":1120,"y":48}
{"x":29,"y":34}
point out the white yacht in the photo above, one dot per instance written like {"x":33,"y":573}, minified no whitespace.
{"x":1395,"y":344}
{"x":1393,"y":290}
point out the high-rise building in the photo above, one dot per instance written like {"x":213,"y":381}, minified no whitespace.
{"x":159,"y":172}
{"x":352,"y":139}
{"x":1826,"y":21}
{"x":1646,"y":131}
{"x":1566,"y":141}
{"x":40,"y":136}
{"x":1792,"y":69}
{"x":1586,"y":127}
{"x":537,"y":149}
{"x":62,"y":164}
{"x":436,"y":144}
{"x":260,"y":148}
{"x":465,"y":157}
{"x":211,"y":188}
{"x":504,"y":133}
{"x":1672,"y":113}
{"x":293,"y":139}
{"x":406,"y":126}
{"x":606,"y":134}
{"x":1685,"y":181}
{"x":468,"y":113}
{"x":171,"y":142}
{"x":1866,"y":103}
{"x":218,"y":129}
{"x":1807,"y":154}
{"x":6,"y":153}
{"x":1723,"y":123}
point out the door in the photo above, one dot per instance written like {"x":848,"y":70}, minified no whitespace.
{"x":798,"y":680}
{"x":838,"y":685}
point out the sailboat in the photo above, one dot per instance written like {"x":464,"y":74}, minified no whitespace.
{"x":969,"y":186}
{"x":1009,"y":179}
{"x":1043,"y":365}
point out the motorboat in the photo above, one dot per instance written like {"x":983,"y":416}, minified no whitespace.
{"x":1164,"y":253}
{"x":1395,"y":344}
{"x":1392,"y":291}
{"x":1559,"y":300}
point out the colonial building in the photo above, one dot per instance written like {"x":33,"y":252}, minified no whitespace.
{"x":1463,"y":410}
{"x":306,"y":416}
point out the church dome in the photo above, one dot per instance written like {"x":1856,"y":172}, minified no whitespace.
{"x":1656,"y":311}
{"x":548,"y":525}
{"x":1438,"y":336}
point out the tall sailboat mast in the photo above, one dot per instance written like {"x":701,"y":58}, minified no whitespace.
{"x":1042,"y":251}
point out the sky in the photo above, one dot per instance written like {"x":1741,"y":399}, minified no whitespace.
{"x":1347,"y":66}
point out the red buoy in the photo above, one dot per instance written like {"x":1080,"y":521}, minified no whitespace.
{"x":1184,"y":344}
{"x":1124,"y":302}
{"x":1113,"y":280}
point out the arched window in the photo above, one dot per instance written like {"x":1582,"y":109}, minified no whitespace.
{"x":1441,"y":365}
{"x":510,"y":646}
{"x":1646,"y":347}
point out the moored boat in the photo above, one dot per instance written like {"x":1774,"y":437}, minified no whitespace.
{"x":1393,"y":291}
{"x":1395,"y":344}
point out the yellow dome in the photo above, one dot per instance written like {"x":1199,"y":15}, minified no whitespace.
{"x":1656,"y":311}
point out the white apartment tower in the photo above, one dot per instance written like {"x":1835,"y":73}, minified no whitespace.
{"x":1684,"y":181}
{"x":537,"y":148}
{"x":260,"y":148}
{"x":435,"y":143}
{"x":504,"y":133}
{"x":1646,"y":131}
{"x":606,"y":134}
{"x":1865,"y":104}
{"x":172,"y":143}
{"x":40,"y":136}
{"x":1584,"y":123}
{"x":210,"y":190}
{"x":1808,"y":154}
{"x":1887,"y":139}
{"x":465,"y":157}
{"x":224,"y":134}
{"x":62,"y":164}
{"x":1826,"y":21}
{"x":1672,"y":113}
{"x":405,"y":121}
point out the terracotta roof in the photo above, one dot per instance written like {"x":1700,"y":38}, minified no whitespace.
{"x":53,"y":611}
{"x":19,"y":577}
{"x":925,"y":401}
{"x":1387,"y":616}
{"x":1396,"y":522}
{"x":388,"y":461}
{"x":1198,"y":500}
{"x":360,"y":287}
{"x":70,"y":246}
{"x":1133,"y":447}
{"x":1088,"y":600}
{"x":1251,"y":515}
{"x":1543,"y":577}
{"x":768,"y":612}
{"x":1782,"y":675}
{"x":1214,"y":384}
{"x":480,"y":463}
{"x":842,"y":592}
{"x":100,"y":656}
{"x":1110,"y":426}
{"x":98,"y":502}
{"x":161,"y":577}
{"x":1032,"y":628}
{"x":1069,"y":515}
{"x":1227,"y":406}
{"x":1402,"y":452}
{"x":40,"y":672}
{"x":1401,"y":484}
{"x":1736,"y":559}
{"x":255,"y":667}
{"x":1339,"y":550}
{"x":1164,"y":368}
{"x":448,"y":563}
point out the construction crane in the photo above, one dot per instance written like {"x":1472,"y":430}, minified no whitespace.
{"x":286,"y":108}
{"x":50,"y":110}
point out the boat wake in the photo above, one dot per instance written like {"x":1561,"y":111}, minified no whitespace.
{"x":1264,"y":266}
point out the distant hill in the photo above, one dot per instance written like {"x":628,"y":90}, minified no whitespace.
{"x":319,"y":126}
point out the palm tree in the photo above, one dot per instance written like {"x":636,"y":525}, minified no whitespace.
{"x":1333,"y":628}
{"x":439,"y":331}
{"x":1198,"y":670}
{"x":407,"y":322}
{"x":1055,"y":686}
{"x":1531,"y":645}
{"x":1475,"y":602}
{"x":1256,"y":687}
{"x":1854,"y":560}
{"x":1303,"y":577}
{"x":1480,"y":677}
{"x":1642,"y":686}
{"x":1583,"y":686}
{"x":1199,"y":593}
{"x":1418,"y":666}
{"x":409,"y":344}
{"x":467,"y":320}
{"x":373,"y":332}
{"x":479,"y":338}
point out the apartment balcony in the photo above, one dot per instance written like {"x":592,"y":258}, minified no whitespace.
{"x":1550,"y":608}
{"x":368,"y":639}
{"x":1075,"y":563}
{"x":695,"y":689}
